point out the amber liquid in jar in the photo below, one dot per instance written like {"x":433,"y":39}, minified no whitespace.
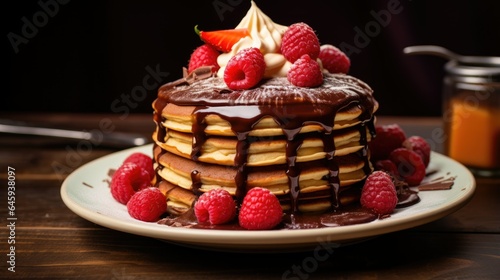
{"x":472,"y":125}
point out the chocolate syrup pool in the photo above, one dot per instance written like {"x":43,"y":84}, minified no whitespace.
{"x":347,"y":215}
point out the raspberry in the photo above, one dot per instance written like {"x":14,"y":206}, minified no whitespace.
{"x":245,"y":69}
{"x":388,"y":138}
{"x":204,"y":55}
{"x":144,"y":161}
{"x":215,"y":206}
{"x":147,"y":204}
{"x":299,"y":39}
{"x":128,"y":179}
{"x":260,"y":210}
{"x":379,"y":193}
{"x":334,"y":60}
{"x":305,"y":72}
{"x":420,"y":146}
{"x":387,"y":166}
{"x":410,"y":165}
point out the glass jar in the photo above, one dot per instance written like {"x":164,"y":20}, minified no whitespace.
{"x":471,"y":115}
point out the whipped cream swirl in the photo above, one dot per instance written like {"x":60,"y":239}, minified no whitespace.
{"x":264,"y":35}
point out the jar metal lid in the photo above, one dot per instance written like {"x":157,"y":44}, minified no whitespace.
{"x":489,"y":71}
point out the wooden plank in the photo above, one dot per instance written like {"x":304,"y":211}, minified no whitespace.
{"x":94,"y":253}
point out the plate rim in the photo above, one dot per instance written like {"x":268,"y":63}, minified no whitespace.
{"x":224,"y":238}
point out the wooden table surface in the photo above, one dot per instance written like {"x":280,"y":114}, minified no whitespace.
{"x":53,"y":242}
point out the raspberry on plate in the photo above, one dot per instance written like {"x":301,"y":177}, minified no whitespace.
{"x":299,"y":39}
{"x":260,"y":210}
{"x":388,"y":138}
{"x":215,"y":206}
{"x":305,"y":72}
{"x":144,"y":161}
{"x":420,"y":146}
{"x":379,"y":193}
{"x":204,"y":55}
{"x":334,"y":60}
{"x":387,"y":166}
{"x":245,"y":69}
{"x":411,"y":167}
{"x":147,"y":204}
{"x":127,"y":179}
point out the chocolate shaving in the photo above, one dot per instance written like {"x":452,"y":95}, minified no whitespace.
{"x":87,"y":184}
{"x":441,"y":183}
{"x":200,"y":73}
{"x":111,"y":172}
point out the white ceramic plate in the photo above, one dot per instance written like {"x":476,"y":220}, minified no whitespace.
{"x":86,"y":193}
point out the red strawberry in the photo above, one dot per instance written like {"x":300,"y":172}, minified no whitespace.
{"x":379,"y":193}
{"x":305,"y":72}
{"x":222,"y":40}
{"x":334,"y":60}
{"x":127,"y":179}
{"x":204,"y":55}
{"x":147,"y":204}
{"x":299,"y":39}
{"x":410,"y":165}
{"x":245,"y":69}
{"x":215,"y":206}
{"x":143,"y":160}
{"x":420,"y":146}
{"x":388,"y":138}
{"x":260,"y":210}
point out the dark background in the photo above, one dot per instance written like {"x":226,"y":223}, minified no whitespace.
{"x":88,"y":54}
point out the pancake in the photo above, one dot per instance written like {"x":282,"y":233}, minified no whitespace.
{"x":179,"y":118}
{"x":309,"y":146}
{"x":261,"y":152}
{"x":186,"y":178}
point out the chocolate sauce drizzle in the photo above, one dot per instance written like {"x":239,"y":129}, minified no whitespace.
{"x":290,"y":107}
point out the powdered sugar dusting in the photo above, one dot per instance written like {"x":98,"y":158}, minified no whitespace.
{"x":276,"y":91}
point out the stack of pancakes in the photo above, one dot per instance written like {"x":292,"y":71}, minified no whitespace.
{"x":307,"y":145}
